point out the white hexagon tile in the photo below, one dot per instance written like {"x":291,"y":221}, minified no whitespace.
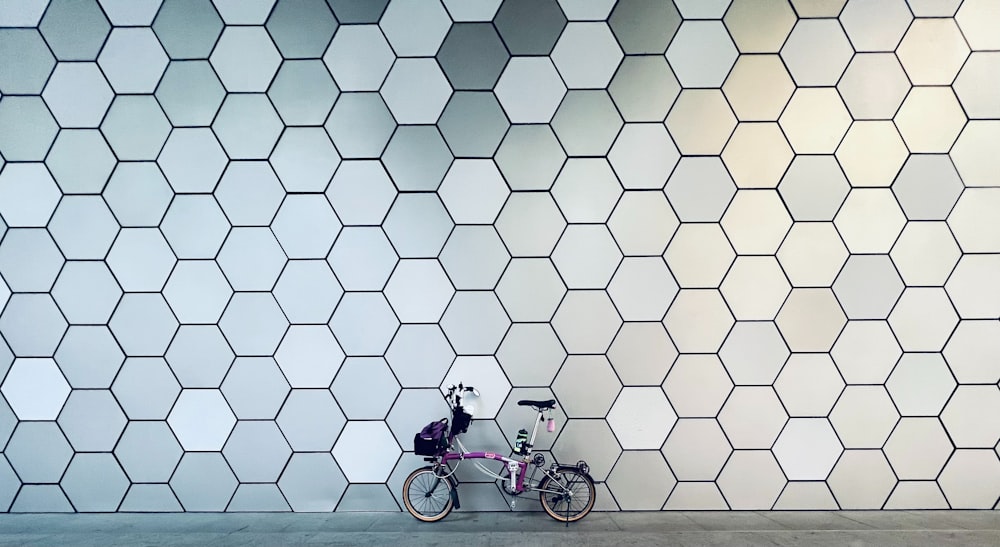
{"x":749,"y":247}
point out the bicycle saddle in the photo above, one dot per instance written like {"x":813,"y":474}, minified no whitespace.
{"x":543,"y":405}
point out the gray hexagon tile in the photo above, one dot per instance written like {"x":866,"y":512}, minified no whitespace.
{"x":27,"y":57}
{"x":255,"y":388}
{"x":972,"y":405}
{"x":361,"y":124}
{"x":862,"y":479}
{"x":751,"y":480}
{"x":146,"y":388}
{"x":305,"y":159}
{"x":923,"y":319}
{"x":364,"y":323}
{"x":141,"y":259}
{"x":713,"y":449}
{"x":256,"y":497}
{"x":752,"y":417}
{"x":809,"y":385}
{"x":864,"y":416}
{"x":305,"y":226}
{"x":303,"y":92}
{"x":92,"y":420}
{"x":195,"y":226}
{"x":969,"y":289}
{"x":529,"y":89}
{"x":636,"y":435}
{"x":918,"y":448}
{"x":38,"y":452}
{"x":247,"y":126}
{"x":29,"y":260}
{"x":89,"y":357}
{"x":967,"y":490}
{"x":148,"y":451}
{"x":531,"y":354}
{"x":312,"y":482}
{"x":199,"y":356}
{"x":133,"y":60}
{"x":697,"y":386}
{"x":701,"y":54}
{"x":866,"y":99}
{"x":930,"y":119}
{"x":530,"y":224}
{"x":758,"y":87}
{"x":192,"y":160}
{"x":150,"y":497}
{"x":197,"y":291}
{"x":138,"y":194}
{"x":876,"y":26}
{"x":587,"y":122}
{"x":645,"y":489}
{"x":77,"y":93}
{"x":362,"y":257}
{"x":866,"y":352}
{"x":80,"y":161}
{"x":937,"y":64}
{"x":474,"y":257}
{"x":135,"y":127}
{"x":203,"y":481}
{"x":970,"y":222}
{"x":807,"y":449}
{"x":756,"y":222}
{"x":816,"y":52}
{"x":642,"y":289}
{"x":309,"y":356}
{"x":977,"y":82}
{"x":201,"y":419}
{"x":32,"y":325}
{"x":251,"y":258}
{"x":253,"y":324}
{"x":29,"y":119}
{"x":95,"y":483}
{"x":760,"y":28}
{"x":256,"y":451}
{"x":921,"y":384}
{"x":586,"y":256}
{"x":701,"y":121}
{"x":971,"y":350}
{"x":359,"y":58}
{"x":307,"y":291}
{"x":190,"y":93}
{"x":83,"y":227}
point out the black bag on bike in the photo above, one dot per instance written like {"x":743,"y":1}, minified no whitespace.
{"x":460,"y":421}
{"x":431,"y":440}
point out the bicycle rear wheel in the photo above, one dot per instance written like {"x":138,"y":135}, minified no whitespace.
{"x":427,"y":496}
{"x":568,"y":496}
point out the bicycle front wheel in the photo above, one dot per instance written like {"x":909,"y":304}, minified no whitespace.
{"x":427,"y":496}
{"x":567,"y":495}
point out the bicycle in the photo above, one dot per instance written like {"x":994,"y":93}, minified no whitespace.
{"x":566,"y":492}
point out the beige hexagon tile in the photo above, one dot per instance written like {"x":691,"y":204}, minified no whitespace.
{"x":757,"y":155}
{"x":815,"y":120}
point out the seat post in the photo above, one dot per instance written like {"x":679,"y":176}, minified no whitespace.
{"x":534,"y":430}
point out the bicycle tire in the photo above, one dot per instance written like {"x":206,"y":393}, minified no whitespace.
{"x":561,"y":507}
{"x":427,"y":496}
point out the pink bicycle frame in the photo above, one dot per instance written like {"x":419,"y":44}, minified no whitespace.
{"x":522,"y":466}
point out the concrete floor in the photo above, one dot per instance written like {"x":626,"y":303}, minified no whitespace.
{"x":460,"y":529}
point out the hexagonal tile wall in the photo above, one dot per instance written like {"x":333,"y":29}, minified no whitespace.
{"x":750,"y":247}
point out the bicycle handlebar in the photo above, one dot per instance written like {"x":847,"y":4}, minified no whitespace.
{"x":454,"y":395}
